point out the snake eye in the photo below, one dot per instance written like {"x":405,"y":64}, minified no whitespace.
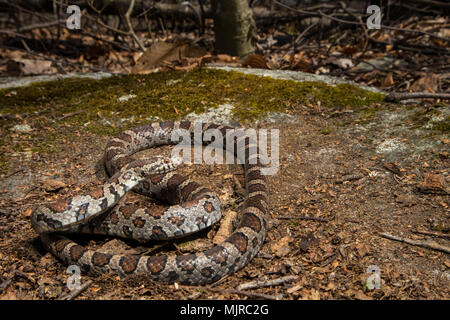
{"x":141,"y":172}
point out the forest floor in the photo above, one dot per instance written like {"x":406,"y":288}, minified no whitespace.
{"x":345,"y":176}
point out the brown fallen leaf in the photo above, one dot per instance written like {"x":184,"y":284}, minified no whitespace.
{"x":52,"y":185}
{"x":255,"y":61}
{"x":406,"y":200}
{"x":434,"y":183}
{"x":363,"y":249}
{"x":393,"y":168}
{"x":294,"y":288}
{"x":31,"y":67}
{"x":427,"y":83}
{"x":282,"y":248}
{"x":389,"y":80}
{"x":166,"y":53}
{"x":47,"y":260}
{"x":361,"y":296}
{"x":225,"y":58}
{"x":9,"y":295}
{"x":27,"y":212}
{"x":307,"y":241}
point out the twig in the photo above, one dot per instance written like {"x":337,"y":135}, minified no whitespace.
{"x":24,"y":276}
{"x":14,"y":34}
{"x":259,"y":283}
{"x":41,"y":25}
{"x":433,"y":234}
{"x":16,"y":116}
{"x":435,"y":3}
{"x":342,"y":252}
{"x":194,"y":296}
{"x":69,"y":115}
{"x":130,"y":26}
{"x":13,"y":173}
{"x":329,"y":260}
{"x":300,"y":37}
{"x":363,"y":26}
{"x":398,"y":96}
{"x":220,"y":281}
{"x":127,"y":48}
{"x":426,"y":244}
{"x":349,"y":177}
{"x":100,"y":22}
{"x":75,"y":293}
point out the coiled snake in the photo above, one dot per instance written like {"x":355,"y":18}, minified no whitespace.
{"x":198,"y":208}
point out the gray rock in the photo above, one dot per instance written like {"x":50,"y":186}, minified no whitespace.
{"x":296,"y":76}
{"x":220,"y":115}
{"x":21,"y":128}
{"x":11,"y":82}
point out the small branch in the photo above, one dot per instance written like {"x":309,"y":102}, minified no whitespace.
{"x":41,"y":25}
{"x":127,"y":48}
{"x":130,"y":26}
{"x":300,"y":37}
{"x":363,"y":26}
{"x":70,"y":115}
{"x":14,"y":34}
{"x":259,"y":284}
{"x":75,"y":293}
{"x":433,"y":234}
{"x":398,"y":96}
{"x":426,"y":244}
{"x":13,"y":173}
{"x":435,"y":3}
{"x":349,"y":177}
{"x":100,"y":22}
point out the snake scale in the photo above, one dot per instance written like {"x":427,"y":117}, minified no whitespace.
{"x":99,"y":211}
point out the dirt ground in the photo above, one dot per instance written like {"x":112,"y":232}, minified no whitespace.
{"x":354,"y":178}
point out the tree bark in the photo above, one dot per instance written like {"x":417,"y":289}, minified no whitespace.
{"x":234,"y":27}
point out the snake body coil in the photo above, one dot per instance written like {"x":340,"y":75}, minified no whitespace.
{"x":99,"y":211}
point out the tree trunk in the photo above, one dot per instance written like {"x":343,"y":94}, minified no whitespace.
{"x":234,"y":27}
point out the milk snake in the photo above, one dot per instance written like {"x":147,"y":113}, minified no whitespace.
{"x":92,"y":213}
